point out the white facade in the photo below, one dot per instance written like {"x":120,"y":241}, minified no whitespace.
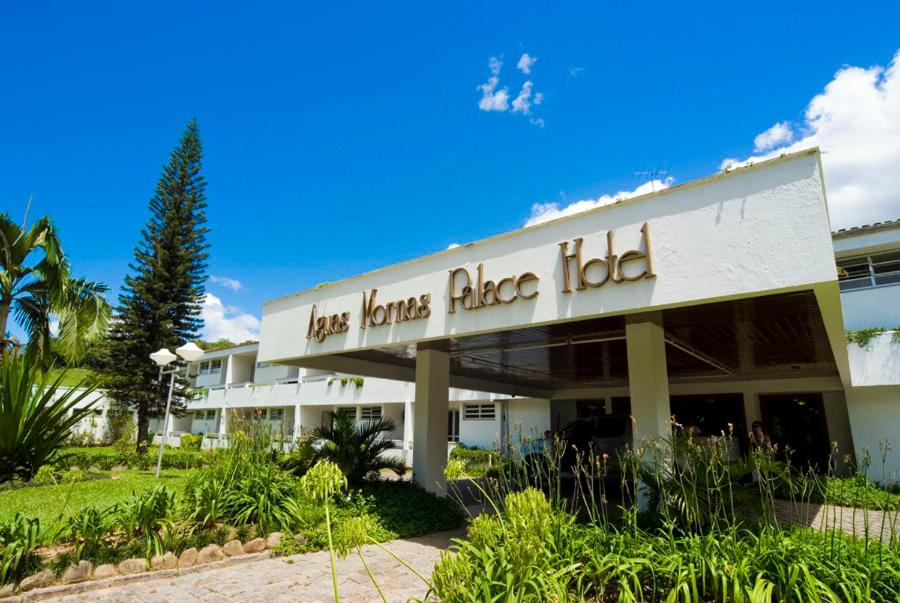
{"x":730,"y":243}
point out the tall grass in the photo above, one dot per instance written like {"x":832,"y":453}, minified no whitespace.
{"x":705,"y":530}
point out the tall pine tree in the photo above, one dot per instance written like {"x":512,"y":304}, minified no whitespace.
{"x":161,"y":301}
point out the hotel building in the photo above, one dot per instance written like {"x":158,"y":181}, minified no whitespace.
{"x":721,"y":301}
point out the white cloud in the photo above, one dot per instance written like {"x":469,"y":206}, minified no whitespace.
{"x":775,"y":136}
{"x":453,"y":245}
{"x":522,"y":103}
{"x":855,"y":120}
{"x":491,"y":100}
{"x":494,"y":64}
{"x":544,"y":212}
{"x":228,"y":283}
{"x":525,"y":63}
{"x":576,"y":71}
{"x":536,"y":121}
{"x":227,"y":322}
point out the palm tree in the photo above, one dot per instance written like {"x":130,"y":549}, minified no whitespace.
{"x":36,"y":285}
{"x":357,"y":448}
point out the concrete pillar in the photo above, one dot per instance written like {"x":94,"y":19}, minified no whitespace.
{"x":752,"y":412}
{"x":408,"y":426}
{"x":648,"y":380}
{"x":430,"y":421}
{"x":297,"y":423}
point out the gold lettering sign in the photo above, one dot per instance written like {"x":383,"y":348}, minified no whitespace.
{"x":375,"y":315}
{"x":321,"y":327}
{"x":612,"y":267}
{"x":486,"y":292}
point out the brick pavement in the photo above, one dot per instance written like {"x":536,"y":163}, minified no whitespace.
{"x":305,"y":578}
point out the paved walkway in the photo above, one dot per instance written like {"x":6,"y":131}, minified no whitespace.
{"x":304,"y":578}
{"x":856,"y":522}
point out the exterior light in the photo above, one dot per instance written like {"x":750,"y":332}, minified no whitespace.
{"x":190,"y":352}
{"x":163,"y":357}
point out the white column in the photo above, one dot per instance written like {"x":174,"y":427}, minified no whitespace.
{"x":223,"y":425}
{"x":408,"y":425}
{"x":648,"y":380}
{"x":752,"y":412}
{"x":297,"y":424}
{"x":430,"y":420}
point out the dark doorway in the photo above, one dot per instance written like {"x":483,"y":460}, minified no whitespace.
{"x":797,"y":422}
{"x":712,"y":415}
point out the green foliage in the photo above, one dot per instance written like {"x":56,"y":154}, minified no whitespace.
{"x":475,"y":461}
{"x":19,"y":537}
{"x":160,"y":301}
{"x":357,"y":448}
{"x":190,"y":441}
{"x":146,"y":515}
{"x":405,"y":509}
{"x":243,"y":485}
{"x":36,"y":283}
{"x":35,"y":417}
{"x":860,"y":492}
{"x":697,"y":546}
{"x":103,"y":459}
{"x":863,"y":337}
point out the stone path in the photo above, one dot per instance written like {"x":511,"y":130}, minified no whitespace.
{"x":304,"y":578}
{"x":856,"y":522}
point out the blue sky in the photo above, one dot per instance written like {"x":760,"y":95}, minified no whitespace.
{"x":341,"y":137}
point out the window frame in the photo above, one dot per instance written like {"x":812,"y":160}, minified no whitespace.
{"x":870,"y":279}
{"x":481,"y":411}
{"x":372,"y":410}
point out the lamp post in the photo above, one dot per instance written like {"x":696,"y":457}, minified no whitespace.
{"x":190,"y":353}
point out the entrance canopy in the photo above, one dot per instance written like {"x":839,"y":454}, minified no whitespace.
{"x":738,"y":267}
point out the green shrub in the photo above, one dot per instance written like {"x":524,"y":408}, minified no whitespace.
{"x":357,"y":448}
{"x":190,"y":441}
{"x":405,"y":509}
{"x":146,"y":515}
{"x":36,"y":417}
{"x":243,"y":485}
{"x":477,"y":462}
{"x":19,"y":537}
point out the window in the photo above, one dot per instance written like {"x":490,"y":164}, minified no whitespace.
{"x":204,"y":368}
{"x":869,"y":271}
{"x":263,"y":364}
{"x":370,"y":413}
{"x":479,"y":412}
{"x":210,"y":415}
{"x":347,"y":411}
{"x":215,"y":367}
{"x":453,"y":426}
{"x":276,"y":414}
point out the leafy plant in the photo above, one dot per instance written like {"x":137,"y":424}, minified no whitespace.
{"x":191,"y":441}
{"x":146,"y":515}
{"x":35,"y":416}
{"x":357,"y":448}
{"x":863,"y":337}
{"x":36,"y":281}
{"x":19,"y":537}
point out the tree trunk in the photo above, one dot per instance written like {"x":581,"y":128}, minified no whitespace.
{"x":4,"y":316}
{"x":143,"y":427}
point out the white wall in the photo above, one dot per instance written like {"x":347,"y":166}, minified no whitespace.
{"x":483,"y":433}
{"x":878,"y":363}
{"x":875,"y":420}
{"x":873,"y":307}
{"x":710,"y":240}
{"x":528,"y":418}
{"x":241,"y":369}
{"x":274,"y":373}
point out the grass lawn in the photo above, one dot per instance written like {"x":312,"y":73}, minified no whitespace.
{"x":49,"y":502}
{"x":107,"y":450}
{"x":73,"y":376}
